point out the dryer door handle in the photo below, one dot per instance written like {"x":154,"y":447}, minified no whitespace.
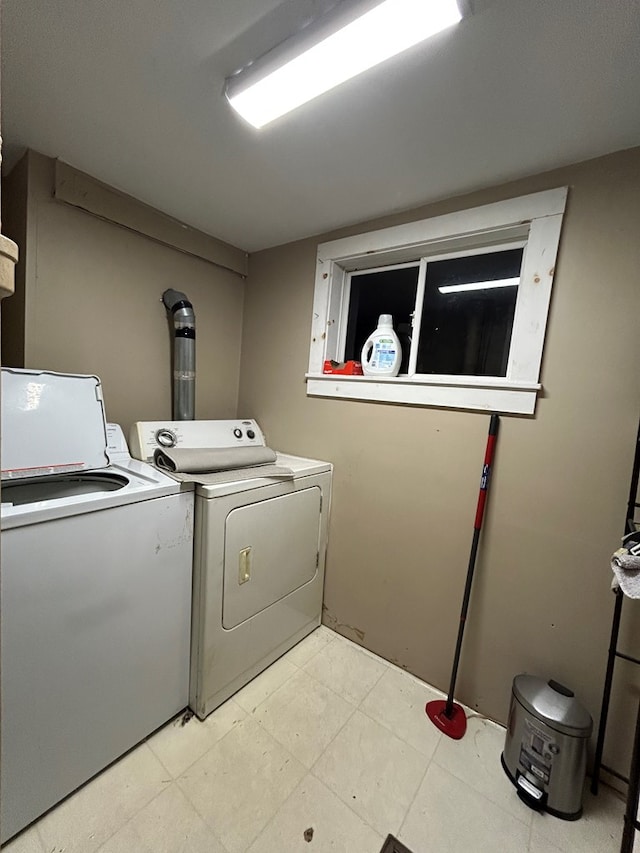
{"x":244,"y":565}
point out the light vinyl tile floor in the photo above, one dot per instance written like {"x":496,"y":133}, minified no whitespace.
{"x":330,"y":739}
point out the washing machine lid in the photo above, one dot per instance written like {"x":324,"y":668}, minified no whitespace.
{"x":52,"y":423}
{"x":33,"y":500}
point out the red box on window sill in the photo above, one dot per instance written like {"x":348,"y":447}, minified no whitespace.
{"x":346,"y":368}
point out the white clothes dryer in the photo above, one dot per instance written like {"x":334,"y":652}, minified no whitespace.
{"x":259,"y":556}
{"x":96,"y":592}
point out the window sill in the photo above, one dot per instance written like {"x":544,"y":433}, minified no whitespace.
{"x":456,"y":392}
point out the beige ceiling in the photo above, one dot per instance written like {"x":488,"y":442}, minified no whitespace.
{"x":131,"y":92}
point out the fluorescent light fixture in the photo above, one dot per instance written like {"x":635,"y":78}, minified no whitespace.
{"x":263,"y":92}
{"x":480,"y":285}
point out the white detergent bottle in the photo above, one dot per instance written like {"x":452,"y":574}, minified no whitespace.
{"x":382,"y":353}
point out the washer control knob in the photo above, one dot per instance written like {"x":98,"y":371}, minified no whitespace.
{"x":166,"y":437}
{"x":237,"y":432}
{"x":250,"y":433}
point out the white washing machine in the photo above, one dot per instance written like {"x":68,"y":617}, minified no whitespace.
{"x":96,"y":592}
{"x":259,"y":556}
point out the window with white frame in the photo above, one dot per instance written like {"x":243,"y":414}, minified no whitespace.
{"x":469,"y":294}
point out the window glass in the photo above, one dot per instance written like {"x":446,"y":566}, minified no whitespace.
{"x":467,"y":314}
{"x":390,"y":291}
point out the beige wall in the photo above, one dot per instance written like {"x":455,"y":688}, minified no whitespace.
{"x":406,"y":479}
{"x":92,"y":304}
{"x":14,"y":218}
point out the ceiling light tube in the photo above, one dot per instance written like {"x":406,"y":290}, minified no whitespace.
{"x":263,"y":92}
{"x":479,"y":285}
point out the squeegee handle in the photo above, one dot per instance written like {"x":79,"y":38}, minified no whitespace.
{"x":486,"y":470}
{"x":482,"y":497}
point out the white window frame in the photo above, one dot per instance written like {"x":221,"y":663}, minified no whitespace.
{"x":533,"y":220}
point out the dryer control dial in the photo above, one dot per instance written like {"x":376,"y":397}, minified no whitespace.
{"x":166,"y":437}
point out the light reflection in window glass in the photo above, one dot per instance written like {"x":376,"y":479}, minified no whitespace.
{"x":468,"y":331}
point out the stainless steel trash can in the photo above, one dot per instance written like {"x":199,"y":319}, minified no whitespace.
{"x":545,"y":751}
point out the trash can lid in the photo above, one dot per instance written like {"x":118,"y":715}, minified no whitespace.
{"x":554,"y":704}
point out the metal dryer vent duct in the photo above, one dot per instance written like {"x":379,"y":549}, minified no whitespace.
{"x":184,"y":354}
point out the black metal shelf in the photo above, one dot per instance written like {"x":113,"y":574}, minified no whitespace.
{"x":633,"y":780}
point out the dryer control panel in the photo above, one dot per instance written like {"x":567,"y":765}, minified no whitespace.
{"x":148,"y":436}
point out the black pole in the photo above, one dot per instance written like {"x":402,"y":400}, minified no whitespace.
{"x":633,"y":794}
{"x":606,"y":693}
{"x":463,"y":619}
{"x":477,"y":527}
{"x":615,"y":627}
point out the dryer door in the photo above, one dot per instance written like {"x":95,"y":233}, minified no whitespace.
{"x":271,"y":549}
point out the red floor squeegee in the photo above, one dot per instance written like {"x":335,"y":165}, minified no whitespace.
{"x":447,"y":715}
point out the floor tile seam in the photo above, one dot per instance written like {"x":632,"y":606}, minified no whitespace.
{"x":279,"y":745}
{"x":557,"y":845}
{"x":208,"y":750}
{"x":282,"y":745}
{"x":272,"y":817}
{"x":550,"y":820}
{"x":291,"y":651}
{"x":334,"y":634}
{"x":474,"y":714}
{"x":317,"y":651}
{"x":202,"y":818}
{"x":127,"y":821}
{"x":399,"y":736}
{"x":253,"y":714}
{"x":263,"y":727}
{"x":356,"y":705}
{"x":285,"y":656}
{"x":36,"y":824}
{"x":42,"y":848}
{"x":337,"y":793}
{"x":530,"y":837}
{"x":330,"y":689}
{"x":178,"y":778}
{"x":448,"y":770}
{"x":164,"y":782}
{"x":375,"y":684}
{"x":277,"y":812}
{"x":467,"y":734}
{"x":344,"y":802}
{"x":39,"y":834}
{"x":164,"y":766}
{"x":354,"y":710}
{"x":261,"y":830}
{"x":471,"y":713}
{"x":273,"y":692}
{"x":415,"y":795}
{"x":315,"y":654}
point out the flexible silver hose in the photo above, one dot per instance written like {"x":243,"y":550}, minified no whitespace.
{"x":184,"y":354}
